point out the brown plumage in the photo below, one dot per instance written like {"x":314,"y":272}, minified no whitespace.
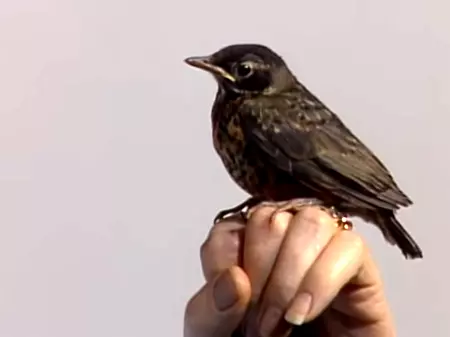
{"x":280,"y":142}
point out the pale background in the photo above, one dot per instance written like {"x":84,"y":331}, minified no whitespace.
{"x":108,"y":179}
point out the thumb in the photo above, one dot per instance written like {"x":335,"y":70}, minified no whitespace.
{"x":219,"y":306}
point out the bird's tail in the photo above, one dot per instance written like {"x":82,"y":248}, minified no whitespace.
{"x":394,"y":232}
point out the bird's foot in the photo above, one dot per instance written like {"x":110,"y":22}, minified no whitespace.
{"x":239,"y":209}
{"x":296,"y":205}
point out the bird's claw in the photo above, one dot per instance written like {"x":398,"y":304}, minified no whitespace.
{"x":296,"y":205}
{"x":342,"y":221}
{"x":236,"y":210}
{"x":292,"y":206}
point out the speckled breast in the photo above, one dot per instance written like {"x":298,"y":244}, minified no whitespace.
{"x":250,"y":172}
{"x":230,"y":145}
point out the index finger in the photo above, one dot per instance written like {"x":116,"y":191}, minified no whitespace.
{"x":222,"y":247}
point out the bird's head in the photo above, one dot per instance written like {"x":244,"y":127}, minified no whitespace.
{"x":247,"y":69}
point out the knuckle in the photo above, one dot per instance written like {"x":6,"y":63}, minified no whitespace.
{"x":208,"y":261}
{"x":224,"y":235}
{"x":219,"y":251}
{"x":315,"y":216}
{"x":261,"y":214}
{"x":219,"y":243}
{"x":280,"y":223}
{"x":205,"y":249}
{"x":354,"y":240}
{"x":206,"y":246}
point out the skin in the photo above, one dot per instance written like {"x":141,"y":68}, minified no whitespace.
{"x":274,"y":264}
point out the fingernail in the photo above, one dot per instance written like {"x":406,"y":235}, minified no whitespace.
{"x":269,"y":320}
{"x":225,"y":292}
{"x":299,"y":309}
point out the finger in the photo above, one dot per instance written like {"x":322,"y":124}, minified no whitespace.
{"x":218,"y":308}
{"x":334,"y":268}
{"x":262,"y":243}
{"x":363,"y":297}
{"x":309,"y":233}
{"x":221,"y":250}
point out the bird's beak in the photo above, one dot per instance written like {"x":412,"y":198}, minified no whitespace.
{"x":204,"y":63}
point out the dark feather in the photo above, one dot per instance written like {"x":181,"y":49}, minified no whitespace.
{"x":309,"y":142}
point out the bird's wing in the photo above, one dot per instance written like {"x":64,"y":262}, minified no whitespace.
{"x":309,"y":142}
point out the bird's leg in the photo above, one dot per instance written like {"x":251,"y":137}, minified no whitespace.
{"x":296,"y":205}
{"x":248,"y":203}
{"x":293,"y":206}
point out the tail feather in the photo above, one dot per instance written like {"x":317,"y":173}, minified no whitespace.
{"x":394,"y":232}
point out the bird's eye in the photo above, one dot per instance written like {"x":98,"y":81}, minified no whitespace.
{"x":244,"y":69}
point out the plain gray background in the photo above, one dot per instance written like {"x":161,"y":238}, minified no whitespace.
{"x":108,"y":179}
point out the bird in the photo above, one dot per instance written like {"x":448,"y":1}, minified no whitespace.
{"x":286,"y":148}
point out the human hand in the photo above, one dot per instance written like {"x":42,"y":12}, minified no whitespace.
{"x":218,"y":308}
{"x":296,"y":268}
